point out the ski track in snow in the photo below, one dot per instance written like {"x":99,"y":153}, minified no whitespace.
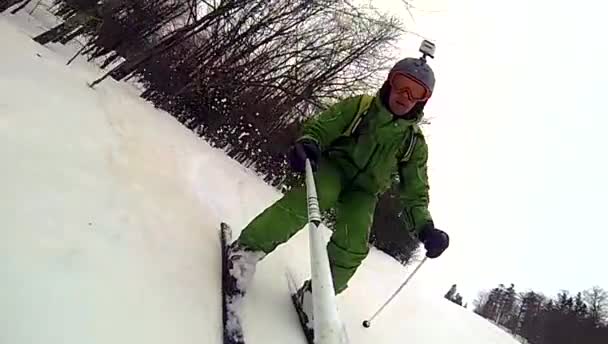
{"x":110,"y":214}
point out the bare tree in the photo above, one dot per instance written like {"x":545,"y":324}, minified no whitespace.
{"x":480,"y":301}
{"x":597,"y":301}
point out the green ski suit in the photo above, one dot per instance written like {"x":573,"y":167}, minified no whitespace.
{"x":362,"y":151}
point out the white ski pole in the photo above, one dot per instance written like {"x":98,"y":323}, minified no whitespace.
{"x":327,"y":325}
{"x":314,"y":212}
{"x":368,"y":323}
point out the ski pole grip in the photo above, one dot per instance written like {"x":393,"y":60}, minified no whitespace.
{"x":301,"y":151}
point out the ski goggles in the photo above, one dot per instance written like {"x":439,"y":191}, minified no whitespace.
{"x":403,"y":83}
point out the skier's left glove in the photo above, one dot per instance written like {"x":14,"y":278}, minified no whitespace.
{"x":435,"y":240}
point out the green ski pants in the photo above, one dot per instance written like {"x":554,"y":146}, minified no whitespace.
{"x":348,"y":245}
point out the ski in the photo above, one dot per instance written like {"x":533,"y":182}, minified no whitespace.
{"x":293,"y":289}
{"x":233,"y":331}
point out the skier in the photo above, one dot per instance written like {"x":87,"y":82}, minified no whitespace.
{"x":355,"y":147}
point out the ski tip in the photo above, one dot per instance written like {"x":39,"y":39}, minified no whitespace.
{"x":226,"y":232}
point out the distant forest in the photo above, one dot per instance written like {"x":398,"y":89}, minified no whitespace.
{"x":580,"y":318}
{"x":241,"y":74}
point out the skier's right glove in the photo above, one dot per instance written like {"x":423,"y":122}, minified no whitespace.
{"x":301,"y":150}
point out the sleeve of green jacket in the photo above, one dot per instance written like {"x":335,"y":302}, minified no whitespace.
{"x":328,"y":125}
{"x":414,"y":188}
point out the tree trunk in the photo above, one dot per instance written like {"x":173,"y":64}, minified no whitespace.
{"x":65,"y":39}
{"x":109,"y":60}
{"x":76,"y":55}
{"x":52,"y":34}
{"x":6,"y":4}
{"x":20,"y":7}
{"x":60,"y":31}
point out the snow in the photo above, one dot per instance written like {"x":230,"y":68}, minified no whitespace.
{"x":109,"y":216}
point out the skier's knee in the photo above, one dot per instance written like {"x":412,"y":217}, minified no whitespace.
{"x":341,"y":275}
{"x":344,"y":263}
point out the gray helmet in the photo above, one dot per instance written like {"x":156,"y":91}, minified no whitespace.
{"x":418,"y":68}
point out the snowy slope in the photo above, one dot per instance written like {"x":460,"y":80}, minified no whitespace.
{"x":108,"y":224}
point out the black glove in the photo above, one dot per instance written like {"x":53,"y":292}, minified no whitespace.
{"x":435,"y":240}
{"x":301,"y":150}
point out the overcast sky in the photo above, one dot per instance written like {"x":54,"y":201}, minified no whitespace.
{"x":518,"y":141}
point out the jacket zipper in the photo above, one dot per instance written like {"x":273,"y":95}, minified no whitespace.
{"x":359,"y":170}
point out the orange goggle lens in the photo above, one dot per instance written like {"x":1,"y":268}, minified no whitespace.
{"x":402,"y":83}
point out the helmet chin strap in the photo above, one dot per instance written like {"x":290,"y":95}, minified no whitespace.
{"x":409,"y":115}
{"x":385,"y":92}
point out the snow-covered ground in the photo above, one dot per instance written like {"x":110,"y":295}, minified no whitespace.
{"x":109,"y":213}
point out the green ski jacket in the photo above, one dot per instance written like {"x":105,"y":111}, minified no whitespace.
{"x":371,"y":146}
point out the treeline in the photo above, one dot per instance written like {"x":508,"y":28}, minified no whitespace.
{"x":454,"y":296}
{"x":566,"y":319}
{"x":242,"y":74}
